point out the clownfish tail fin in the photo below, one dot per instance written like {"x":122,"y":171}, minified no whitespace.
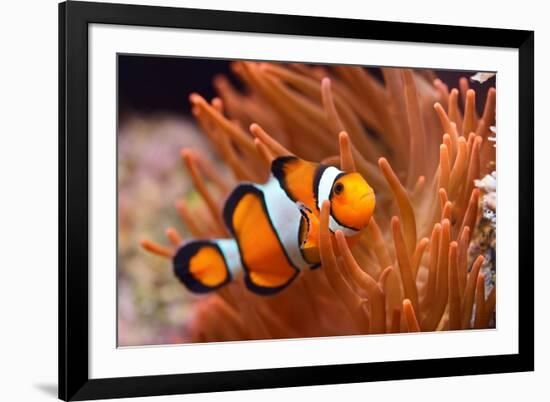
{"x":206,"y":265}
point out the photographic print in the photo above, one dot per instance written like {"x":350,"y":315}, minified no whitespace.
{"x":268,"y":200}
{"x":314,"y":204}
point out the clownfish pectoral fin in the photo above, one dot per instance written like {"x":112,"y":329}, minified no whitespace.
{"x":309,"y":234}
{"x":266,"y":265}
{"x":206,"y":265}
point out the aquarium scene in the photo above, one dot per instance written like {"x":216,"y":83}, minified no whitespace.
{"x":265,"y":200}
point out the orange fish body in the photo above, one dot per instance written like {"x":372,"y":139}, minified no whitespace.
{"x":275,"y":227}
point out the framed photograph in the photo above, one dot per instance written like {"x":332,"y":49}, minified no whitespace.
{"x":257,"y":200}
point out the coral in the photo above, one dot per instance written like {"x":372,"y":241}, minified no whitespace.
{"x":484,"y":236}
{"x":421,"y":147}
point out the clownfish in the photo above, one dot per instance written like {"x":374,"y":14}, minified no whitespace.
{"x":274,"y":227}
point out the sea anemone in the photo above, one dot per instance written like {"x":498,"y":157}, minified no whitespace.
{"x":419,"y":265}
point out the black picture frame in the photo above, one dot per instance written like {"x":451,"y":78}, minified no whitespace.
{"x":74,"y":381}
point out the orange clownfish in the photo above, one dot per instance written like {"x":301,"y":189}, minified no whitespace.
{"x":275,"y":227}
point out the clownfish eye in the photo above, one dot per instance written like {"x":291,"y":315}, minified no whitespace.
{"x":338,"y":188}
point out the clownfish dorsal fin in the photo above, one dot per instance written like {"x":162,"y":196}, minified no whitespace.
{"x":296,"y":177}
